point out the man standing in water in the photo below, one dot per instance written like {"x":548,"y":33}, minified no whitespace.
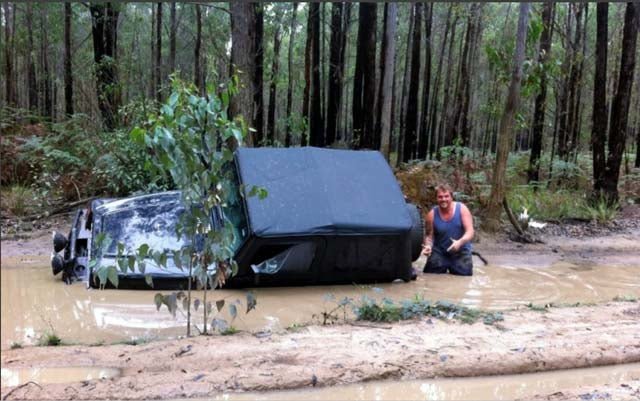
{"x":449,"y":229}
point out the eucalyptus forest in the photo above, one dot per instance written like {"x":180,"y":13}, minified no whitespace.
{"x":140,"y":124}
{"x":550,"y":90}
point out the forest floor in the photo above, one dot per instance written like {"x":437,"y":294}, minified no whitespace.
{"x":526,"y":341}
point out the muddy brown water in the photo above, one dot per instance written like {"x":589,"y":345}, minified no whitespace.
{"x":34,"y":302}
{"x":506,"y":387}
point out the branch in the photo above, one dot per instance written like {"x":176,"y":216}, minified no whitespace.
{"x":512,"y":218}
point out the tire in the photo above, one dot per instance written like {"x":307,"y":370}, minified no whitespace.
{"x":416,"y":235}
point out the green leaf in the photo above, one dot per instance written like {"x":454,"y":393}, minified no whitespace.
{"x":158,"y":299}
{"x":137,"y":136}
{"x":102,"y":275}
{"x":149,"y":280}
{"x":112,"y":275}
{"x":220,"y":305}
{"x":143,"y":250}
{"x":120,"y":247}
{"x":172,"y":303}
{"x":122,"y":264}
{"x":251,"y":301}
{"x":173,"y":99}
{"x":131,"y":260}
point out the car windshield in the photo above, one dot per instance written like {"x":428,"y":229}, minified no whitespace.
{"x":152,"y":224}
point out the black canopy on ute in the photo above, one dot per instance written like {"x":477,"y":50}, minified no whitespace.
{"x":315,"y":191}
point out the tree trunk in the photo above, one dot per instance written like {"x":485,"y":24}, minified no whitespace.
{"x":31,"y":68}
{"x":292,"y":35}
{"x":424,"y":129}
{"x":258,"y":78}
{"x":10,"y":78}
{"x":621,"y":102}
{"x":346,"y":23}
{"x":445,"y":139}
{"x":411,"y":118}
{"x":306,"y":106}
{"x":387,"y":62}
{"x":45,"y":77}
{"x":574,"y":84}
{"x":158,"y":56}
{"x":364,"y":87}
{"x":540,"y":103}
{"x":562,"y":109}
{"x":458,"y":126}
{"x":197,"y":69}
{"x":433,"y":116}
{"x":275,"y":68}
{"x":316,"y":134}
{"x":498,"y":190}
{"x":68,"y":74}
{"x":243,"y":61}
{"x":334,"y":96}
{"x":405,"y":88}
{"x":172,"y":38}
{"x":599,"y":130}
{"x":104,"y":30}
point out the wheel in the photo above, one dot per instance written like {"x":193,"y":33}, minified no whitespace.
{"x":416,"y":236}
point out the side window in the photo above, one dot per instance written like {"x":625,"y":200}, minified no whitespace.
{"x":294,"y":258}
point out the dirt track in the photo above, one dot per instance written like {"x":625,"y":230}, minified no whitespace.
{"x":526,"y":341}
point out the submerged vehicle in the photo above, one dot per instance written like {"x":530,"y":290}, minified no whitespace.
{"x":330,"y":217}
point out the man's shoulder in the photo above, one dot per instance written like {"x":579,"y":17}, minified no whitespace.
{"x":464,"y":208}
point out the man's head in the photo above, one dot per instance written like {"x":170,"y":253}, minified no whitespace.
{"x":444,"y":194}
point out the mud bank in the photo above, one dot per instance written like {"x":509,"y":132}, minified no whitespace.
{"x":526,"y":341}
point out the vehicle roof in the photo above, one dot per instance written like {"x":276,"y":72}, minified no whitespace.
{"x":316,"y":191}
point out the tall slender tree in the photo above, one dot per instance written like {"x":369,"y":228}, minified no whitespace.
{"x":306,"y":105}
{"x":433,"y":116}
{"x":197,"y":62}
{"x":385,"y":99}
{"x":599,"y":129}
{"x":258,"y":77}
{"x":243,"y":24}
{"x":364,"y":87}
{"x":423,"y":137}
{"x":292,"y":36}
{"x":334,"y":96}
{"x":621,"y":102}
{"x":104,"y":31}
{"x":68,"y":73}
{"x":158,"y":55}
{"x":10,"y":79}
{"x":173,"y":31}
{"x":412,"y":116}
{"x":537,"y":130}
{"x":316,"y":126}
{"x":275,"y":70}
{"x":498,"y":187}
{"x":31,"y":67}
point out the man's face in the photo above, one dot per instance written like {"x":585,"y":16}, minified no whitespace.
{"x":444,"y":199}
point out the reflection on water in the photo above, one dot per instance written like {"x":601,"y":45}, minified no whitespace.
{"x":33,"y":301}
{"x":15,"y":377}
{"x":473,"y":388}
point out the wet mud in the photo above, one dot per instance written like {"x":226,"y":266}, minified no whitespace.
{"x":277,"y":350}
{"x":35,"y":303}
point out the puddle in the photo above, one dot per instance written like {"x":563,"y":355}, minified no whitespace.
{"x":33,"y":301}
{"x":16,"y":377}
{"x":474,"y":388}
